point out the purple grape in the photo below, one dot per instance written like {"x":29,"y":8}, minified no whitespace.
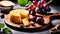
{"x":37,"y":10}
{"x":27,"y":7}
{"x":46,"y":4}
{"x":39,"y":2}
{"x":40,"y":11}
{"x":43,"y":11}
{"x":32,"y":18}
{"x":46,"y":7}
{"x":35,"y":2}
{"x":48,"y":10}
{"x":40,"y":20}
{"x":32,"y":12}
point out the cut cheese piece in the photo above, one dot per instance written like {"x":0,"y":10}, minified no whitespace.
{"x":25,"y":22}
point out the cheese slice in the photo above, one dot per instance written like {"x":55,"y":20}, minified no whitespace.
{"x":25,"y":22}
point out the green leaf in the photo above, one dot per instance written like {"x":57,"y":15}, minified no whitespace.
{"x":29,"y":2}
{"x":22,"y":2}
{"x":1,"y":25}
{"x":7,"y":31}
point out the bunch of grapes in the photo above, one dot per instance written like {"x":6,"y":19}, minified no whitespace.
{"x":39,"y":7}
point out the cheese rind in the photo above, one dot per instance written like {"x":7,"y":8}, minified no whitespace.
{"x":15,"y":19}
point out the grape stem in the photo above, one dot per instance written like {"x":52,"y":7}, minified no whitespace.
{"x":50,"y":1}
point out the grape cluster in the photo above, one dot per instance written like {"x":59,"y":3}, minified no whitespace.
{"x":39,"y":7}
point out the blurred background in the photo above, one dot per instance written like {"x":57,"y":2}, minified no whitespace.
{"x":54,"y":2}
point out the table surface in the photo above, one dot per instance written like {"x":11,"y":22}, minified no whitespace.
{"x":54,"y":22}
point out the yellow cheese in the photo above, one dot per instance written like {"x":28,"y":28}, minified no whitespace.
{"x":24,"y":13}
{"x":17,"y":15}
{"x":15,"y":19}
{"x":25,"y":22}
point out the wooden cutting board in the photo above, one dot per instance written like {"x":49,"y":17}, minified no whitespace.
{"x":47,"y":20}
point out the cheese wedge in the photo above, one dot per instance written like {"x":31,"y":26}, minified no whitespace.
{"x":25,"y":22}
